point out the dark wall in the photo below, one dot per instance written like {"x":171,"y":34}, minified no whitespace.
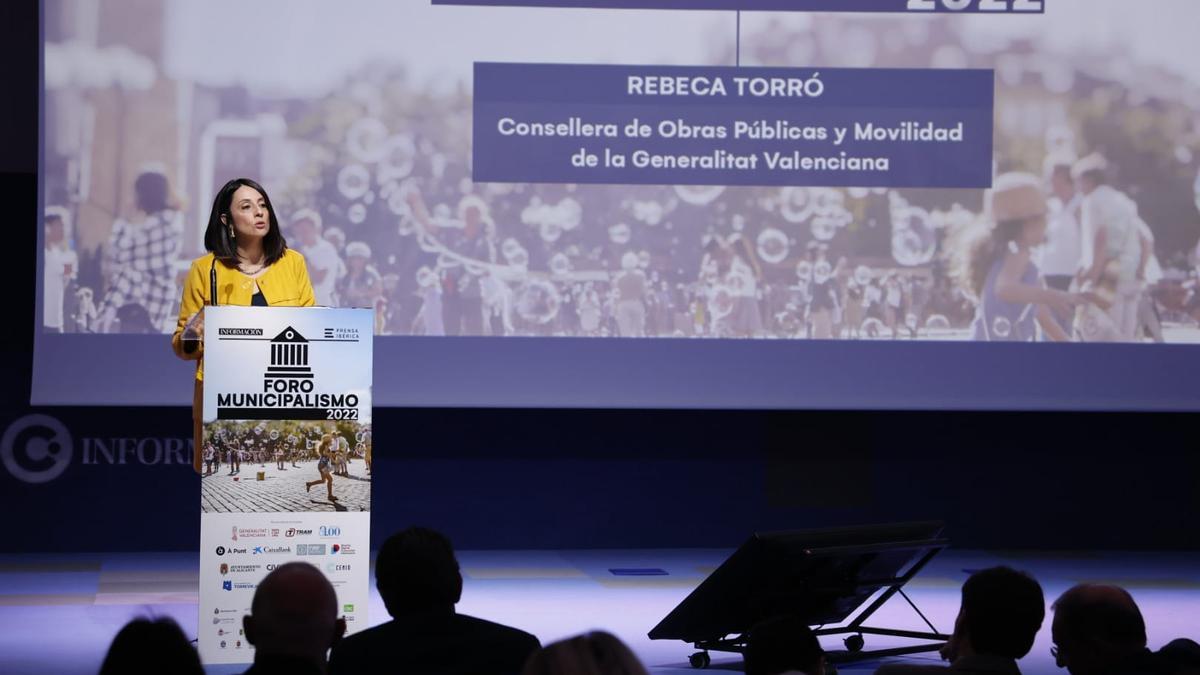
{"x":619,"y":478}
{"x":570,"y":478}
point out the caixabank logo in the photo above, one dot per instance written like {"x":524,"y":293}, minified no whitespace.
{"x":39,"y":448}
{"x":289,"y":388}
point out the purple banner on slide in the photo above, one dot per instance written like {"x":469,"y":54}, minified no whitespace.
{"x":684,"y":125}
{"x":880,"y":6}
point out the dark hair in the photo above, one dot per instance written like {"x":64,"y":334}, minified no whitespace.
{"x":217,"y":238}
{"x":151,"y":646}
{"x":151,"y":192}
{"x":781,"y":644}
{"x":1002,"y":610}
{"x":1105,"y":618}
{"x":981,"y":248}
{"x":1061,"y":170}
{"x":1097,"y":176}
{"x":595,"y":653}
{"x":416,"y":571}
{"x":135,"y":318}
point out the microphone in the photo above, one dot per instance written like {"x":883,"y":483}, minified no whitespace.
{"x":190,"y":345}
{"x":212,"y":283}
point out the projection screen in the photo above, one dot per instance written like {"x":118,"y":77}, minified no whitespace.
{"x":675,"y":203}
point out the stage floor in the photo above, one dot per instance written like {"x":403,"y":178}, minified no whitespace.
{"x":59,"y":612}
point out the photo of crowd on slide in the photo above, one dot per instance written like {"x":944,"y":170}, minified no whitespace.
{"x":372,"y":180}
{"x":276,"y":466}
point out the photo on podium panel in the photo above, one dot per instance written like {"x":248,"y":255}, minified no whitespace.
{"x":285,"y":465}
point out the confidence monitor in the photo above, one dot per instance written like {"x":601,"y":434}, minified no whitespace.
{"x":821,"y":576}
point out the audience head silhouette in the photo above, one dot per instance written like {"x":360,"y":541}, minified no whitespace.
{"x":1096,"y":628}
{"x":151,"y":646}
{"x":1001,"y":612}
{"x":782,"y":645}
{"x":419,"y":580}
{"x":293,"y":618}
{"x":597,"y":653}
{"x":416,"y":572}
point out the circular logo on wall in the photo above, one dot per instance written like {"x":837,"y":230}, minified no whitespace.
{"x":36,"y":448}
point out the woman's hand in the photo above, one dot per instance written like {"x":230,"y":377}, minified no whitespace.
{"x":193,"y":333}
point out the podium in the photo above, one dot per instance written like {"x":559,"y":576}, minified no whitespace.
{"x":285,"y":460}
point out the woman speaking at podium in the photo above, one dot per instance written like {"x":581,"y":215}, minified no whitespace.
{"x":251,"y":265}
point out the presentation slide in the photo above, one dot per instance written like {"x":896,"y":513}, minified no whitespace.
{"x":982,"y":204}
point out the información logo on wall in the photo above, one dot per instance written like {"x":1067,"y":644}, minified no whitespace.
{"x":39,"y":448}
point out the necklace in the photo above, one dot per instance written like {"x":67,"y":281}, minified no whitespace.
{"x":245,"y":269}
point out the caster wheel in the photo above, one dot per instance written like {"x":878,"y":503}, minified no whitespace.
{"x":699,"y":660}
{"x":854,"y":643}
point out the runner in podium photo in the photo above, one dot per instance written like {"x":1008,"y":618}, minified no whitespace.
{"x":325,"y":453}
{"x":248,"y":263}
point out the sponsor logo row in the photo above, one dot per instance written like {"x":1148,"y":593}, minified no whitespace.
{"x":240,"y":641}
{"x":218,"y":619}
{"x":230,"y":585}
{"x":324,"y":532}
{"x":299,"y":549}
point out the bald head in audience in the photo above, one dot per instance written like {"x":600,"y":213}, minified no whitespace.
{"x":294,"y":616}
{"x":1097,"y":627}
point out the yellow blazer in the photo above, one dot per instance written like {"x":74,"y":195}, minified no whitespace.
{"x":284,"y":284}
